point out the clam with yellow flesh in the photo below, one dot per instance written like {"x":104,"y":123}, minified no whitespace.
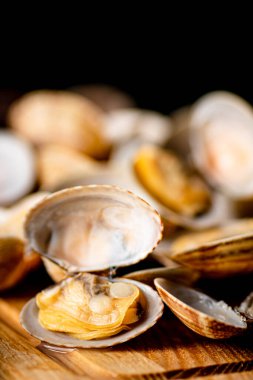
{"x":15,"y":262}
{"x":222,"y":142}
{"x":218,"y":252}
{"x":92,"y":228}
{"x":60,"y":117}
{"x":201,"y":313}
{"x":182,"y":195}
{"x":89,"y":311}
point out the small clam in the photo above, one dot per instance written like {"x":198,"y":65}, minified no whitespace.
{"x":15,"y":262}
{"x":100,"y":305}
{"x":62,"y":118}
{"x":222,"y":142}
{"x":57,"y":163}
{"x":17,"y":163}
{"x":201,"y":313}
{"x":182,"y":196}
{"x":108,"y":98}
{"x":92,"y":228}
{"x":218,"y":252}
{"x":126,"y":124}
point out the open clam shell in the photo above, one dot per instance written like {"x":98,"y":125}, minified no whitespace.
{"x":222,"y":142}
{"x":219,"y":252}
{"x":92,"y":228}
{"x":201,"y":313}
{"x":18,"y":172}
{"x":153,"y":311}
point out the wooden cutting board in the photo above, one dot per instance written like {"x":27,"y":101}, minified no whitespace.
{"x":168,"y":351}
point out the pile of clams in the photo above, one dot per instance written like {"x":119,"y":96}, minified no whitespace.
{"x":103,"y":159}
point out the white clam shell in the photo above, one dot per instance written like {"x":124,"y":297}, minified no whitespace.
{"x":153,"y":311}
{"x":93,"y":228}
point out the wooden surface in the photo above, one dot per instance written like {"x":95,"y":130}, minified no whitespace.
{"x":168,"y":350}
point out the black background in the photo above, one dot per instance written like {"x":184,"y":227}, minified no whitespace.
{"x":164,"y":58}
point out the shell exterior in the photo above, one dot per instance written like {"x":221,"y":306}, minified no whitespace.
{"x":60,"y":117}
{"x":222,"y":141}
{"x":153,"y":311}
{"x":18,"y":172}
{"x":207,"y":317}
{"x":125,"y":124}
{"x":220,"y":252}
{"x":15,"y":262}
{"x":58,"y":163}
{"x":92,"y":228}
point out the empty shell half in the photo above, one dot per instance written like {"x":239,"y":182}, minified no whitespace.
{"x":92,"y":228}
{"x":201,"y":313}
{"x":90,"y":312}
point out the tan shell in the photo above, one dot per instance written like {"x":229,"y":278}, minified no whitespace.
{"x":60,"y":117}
{"x":57,"y":163}
{"x":153,"y":311}
{"x":200,"y":312}
{"x":15,"y":262}
{"x":92,"y":228}
{"x":18,"y":171}
{"x":222,"y":142}
{"x":108,"y":98}
{"x":220,"y":252}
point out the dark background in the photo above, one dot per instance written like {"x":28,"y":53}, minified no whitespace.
{"x":164,"y":59}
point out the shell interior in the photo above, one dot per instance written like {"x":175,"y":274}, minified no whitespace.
{"x":153,"y":311}
{"x":202,"y":303}
{"x":222,"y":142}
{"x":93,"y":228}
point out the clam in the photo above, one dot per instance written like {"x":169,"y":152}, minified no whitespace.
{"x":60,"y":117}
{"x":126,"y":124}
{"x":108,"y":98}
{"x":15,"y":262}
{"x":219,"y":252}
{"x":90,"y":229}
{"x":57,"y":163}
{"x":201,"y":313}
{"x":114,"y":312}
{"x":18,"y":173}
{"x":183,"y":198}
{"x":222,"y":142}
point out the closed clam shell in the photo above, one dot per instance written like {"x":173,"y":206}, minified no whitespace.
{"x":224,"y":251}
{"x":60,"y":117}
{"x":18,"y":171}
{"x":222,"y":142}
{"x":15,"y":262}
{"x":201,"y":313}
{"x":92,"y":228}
{"x":153,"y":311}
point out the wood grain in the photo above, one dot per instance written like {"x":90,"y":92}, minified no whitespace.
{"x":167,"y":351}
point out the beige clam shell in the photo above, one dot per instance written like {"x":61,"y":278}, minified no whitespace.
{"x":153,"y":311}
{"x":220,"y":252}
{"x":60,"y":117}
{"x":180,"y":299}
{"x":105,"y":227}
{"x":221,"y":141}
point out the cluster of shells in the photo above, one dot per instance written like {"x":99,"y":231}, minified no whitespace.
{"x":84,"y":177}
